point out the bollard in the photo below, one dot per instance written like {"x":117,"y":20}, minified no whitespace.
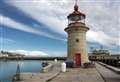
{"x":55,"y":60}
{"x":63,"y":67}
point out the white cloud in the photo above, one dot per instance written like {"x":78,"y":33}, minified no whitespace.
{"x":102,"y":38}
{"x":102,"y":17}
{"x":30,"y":53}
{"x":58,"y":54}
{"x":48,"y":12}
{"x":16,"y":25}
{"x":39,"y":53}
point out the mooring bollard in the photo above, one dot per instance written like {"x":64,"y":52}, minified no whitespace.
{"x":63,"y":67}
{"x":55,"y":60}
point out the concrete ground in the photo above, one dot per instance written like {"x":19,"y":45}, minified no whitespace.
{"x":98,"y":74}
{"x":40,"y":77}
{"x":107,"y":74}
{"x":79,"y":75}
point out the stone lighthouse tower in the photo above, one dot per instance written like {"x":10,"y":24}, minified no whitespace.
{"x":77,"y":37}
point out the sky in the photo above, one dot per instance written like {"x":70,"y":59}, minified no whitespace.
{"x":36,"y":27}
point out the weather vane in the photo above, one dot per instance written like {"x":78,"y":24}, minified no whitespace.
{"x":76,"y":2}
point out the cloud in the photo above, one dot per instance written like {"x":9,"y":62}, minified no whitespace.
{"x":102,"y":38}
{"x":58,"y":54}
{"x":30,"y":53}
{"x":102,"y":17}
{"x":39,"y":53}
{"x":44,"y":12}
{"x":16,"y":25}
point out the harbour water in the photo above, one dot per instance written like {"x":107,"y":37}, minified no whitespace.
{"x":8,"y":68}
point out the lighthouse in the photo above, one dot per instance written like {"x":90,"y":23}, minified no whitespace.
{"x":76,"y":43}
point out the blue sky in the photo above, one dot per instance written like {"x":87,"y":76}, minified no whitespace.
{"x":37,"y":26}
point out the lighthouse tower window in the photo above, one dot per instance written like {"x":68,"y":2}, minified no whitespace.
{"x":77,"y":40}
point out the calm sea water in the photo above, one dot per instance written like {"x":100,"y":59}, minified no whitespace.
{"x":8,"y":68}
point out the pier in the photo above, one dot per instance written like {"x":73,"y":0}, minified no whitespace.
{"x":107,"y":74}
{"x":97,"y":74}
{"x":40,"y":77}
{"x":33,"y":30}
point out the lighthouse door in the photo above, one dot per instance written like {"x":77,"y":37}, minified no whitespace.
{"x":78,"y":59}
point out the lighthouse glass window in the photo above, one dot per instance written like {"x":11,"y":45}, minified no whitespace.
{"x":82,"y":19}
{"x":73,"y":19}
{"x":77,"y":18}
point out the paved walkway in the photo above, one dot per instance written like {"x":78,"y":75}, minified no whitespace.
{"x":98,"y":74}
{"x":40,"y":77}
{"x":79,"y":75}
{"x":108,"y":75}
{"x":115,"y":69}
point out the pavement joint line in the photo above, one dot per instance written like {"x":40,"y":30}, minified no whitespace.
{"x":51,"y":78}
{"x":109,"y":67}
{"x":101,"y":75}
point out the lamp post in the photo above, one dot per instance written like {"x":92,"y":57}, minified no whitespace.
{"x":17,"y":75}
